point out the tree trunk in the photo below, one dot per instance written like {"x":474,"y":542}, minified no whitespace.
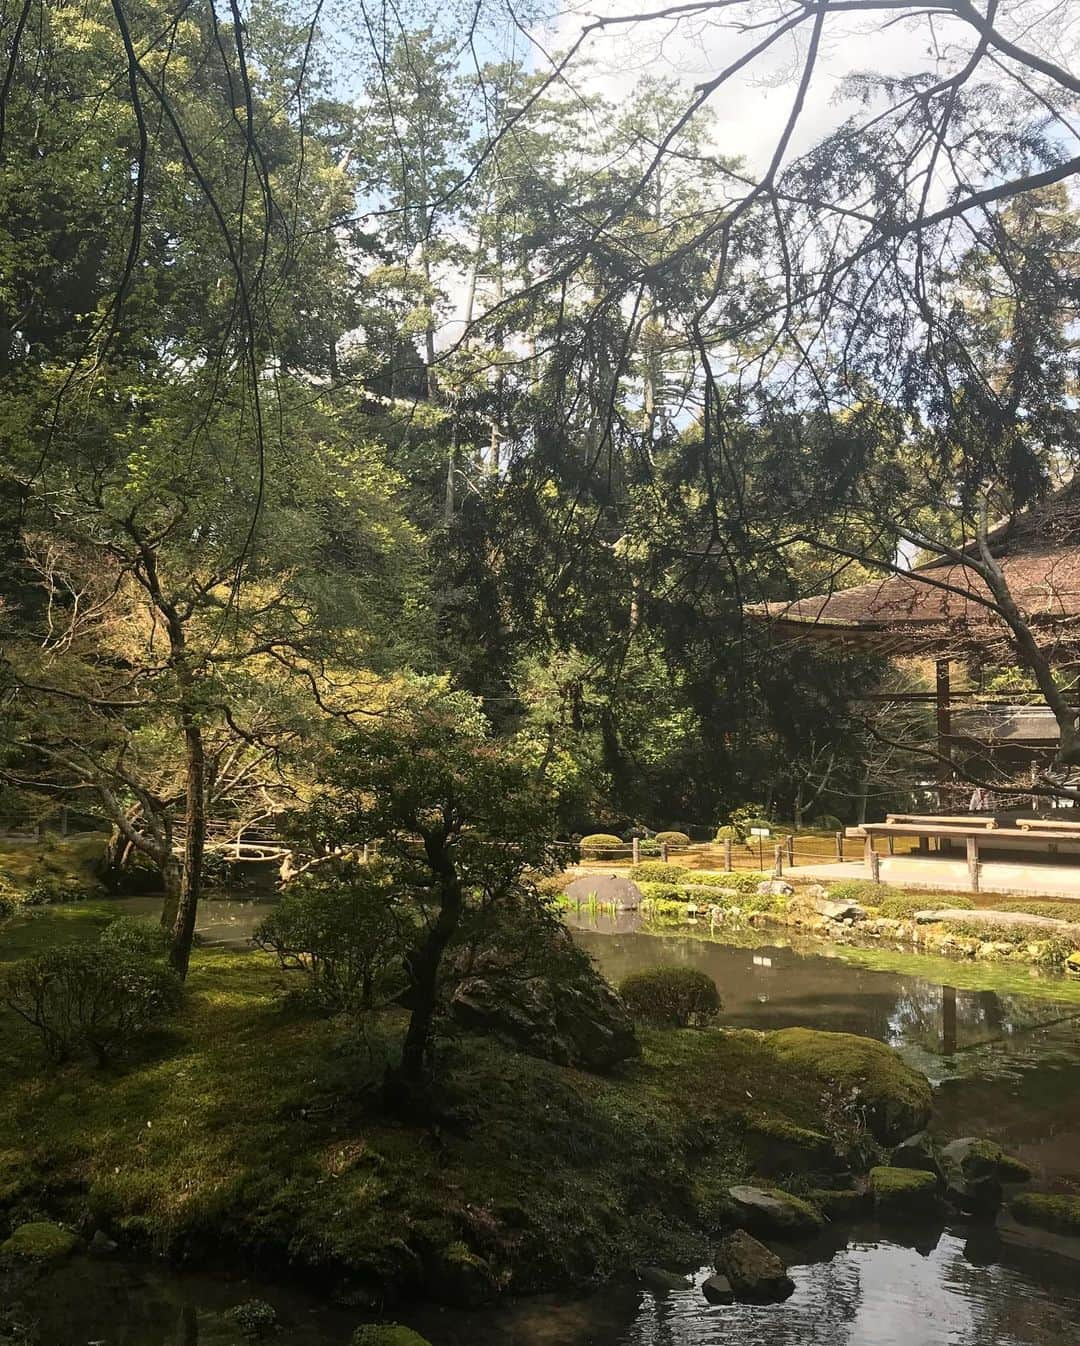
{"x":408,"y":1083}
{"x":183,"y":930}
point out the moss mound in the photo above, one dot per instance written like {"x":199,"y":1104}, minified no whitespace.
{"x":896,"y":1098}
{"x":387,"y":1334}
{"x":40,"y":1241}
{"x":904,"y":1193}
{"x":1059,"y":1214}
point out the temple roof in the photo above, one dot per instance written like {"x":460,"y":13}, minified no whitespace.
{"x":942,"y":603}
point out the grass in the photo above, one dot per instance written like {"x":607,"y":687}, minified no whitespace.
{"x":253,"y":1132}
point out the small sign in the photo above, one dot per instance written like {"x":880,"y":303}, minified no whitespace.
{"x":760,"y":832}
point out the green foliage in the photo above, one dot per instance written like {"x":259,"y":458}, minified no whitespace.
{"x":743,"y":818}
{"x":141,"y":937}
{"x":707,"y":878}
{"x":255,"y":1317}
{"x":11,"y":901}
{"x":657,"y":871}
{"x":864,"y":892}
{"x":653,"y":891}
{"x":95,"y":998}
{"x":1058,"y":1213}
{"x":725,"y":832}
{"x":672,"y":997}
{"x":827,"y":822}
{"x":344,"y":933}
{"x":673,"y":840}
{"x":900,"y":906}
{"x":1058,"y":911}
{"x":647,"y":846}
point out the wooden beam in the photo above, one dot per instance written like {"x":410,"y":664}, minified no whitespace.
{"x":973,"y":862}
{"x":944,"y":729}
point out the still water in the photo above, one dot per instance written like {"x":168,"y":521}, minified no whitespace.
{"x":1003,"y":1049}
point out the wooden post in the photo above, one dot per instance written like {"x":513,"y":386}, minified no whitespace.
{"x":868,"y":852}
{"x":636,"y":844}
{"x":727,"y":855}
{"x":778,"y":861}
{"x":789,"y":847}
{"x":875,"y":867}
{"x":663,"y":851}
{"x":944,"y":732}
{"x":973,"y":863}
{"x":892,"y":845}
{"x":924,"y":845}
{"x":840,"y":847}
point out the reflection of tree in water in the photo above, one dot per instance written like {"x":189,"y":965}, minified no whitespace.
{"x":1016,"y":1294}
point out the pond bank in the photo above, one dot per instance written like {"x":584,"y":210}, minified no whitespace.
{"x":249,"y":1133}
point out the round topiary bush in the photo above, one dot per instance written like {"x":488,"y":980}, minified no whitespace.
{"x":671,"y":997}
{"x":673,"y":840}
{"x":726,"y":833}
{"x":603,"y":846}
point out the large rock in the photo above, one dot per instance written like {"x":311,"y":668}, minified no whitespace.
{"x":717,"y":1290}
{"x":904,"y":1194}
{"x":835,"y":909}
{"x":769,"y":1211}
{"x":550,"y":1000}
{"x":661,"y":1281}
{"x":919,"y":1152}
{"x":609,"y":889}
{"x":1059,"y":1214}
{"x":756,"y":1274}
{"x":894,"y":1099}
{"x":972,"y":1169}
{"x":775,"y":888}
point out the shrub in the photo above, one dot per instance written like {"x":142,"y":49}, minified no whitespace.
{"x":900,"y":906}
{"x":673,"y":839}
{"x":654,"y":891}
{"x":255,"y":1317}
{"x":1058,"y":911}
{"x":344,"y":933}
{"x":862,"y":891}
{"x":90,"y":997}
{"x":744,"y":817}
{"x":673,"y":997}
{"x":147,"y":938}
{"x":725,"y":832}
{"x":49,"y":889}
{"x":647,"y":846}
{"x":603,"y":846}
{"x":708,"y":878}
{"x":11,"y":901}
{"x":658,"y":871}
{"x":827,"y":822}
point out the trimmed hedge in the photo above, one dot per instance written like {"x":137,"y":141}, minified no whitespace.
{"x":603,"y":846}
{"x":673,"y":839}
{"x":671,"y":997}
{"x":658,"y":871}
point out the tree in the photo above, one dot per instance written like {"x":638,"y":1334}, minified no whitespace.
{"x":456,"y":817}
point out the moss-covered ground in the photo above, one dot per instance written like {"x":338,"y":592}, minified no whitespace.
{"x":254,"y":1131}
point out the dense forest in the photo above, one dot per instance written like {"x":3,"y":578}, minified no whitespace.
{"x":354,"y":362}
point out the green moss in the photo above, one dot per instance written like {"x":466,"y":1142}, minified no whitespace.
{"x":896,"y":1098}
{"x":1059,"y":1214}
{"x":903,"y":1193}
{"x":40,"y":1241}
{"x":72,"y":861}
{"x":252,"y":1129}
{"x":387,"y":1334}
{"x":1011,"y":1169}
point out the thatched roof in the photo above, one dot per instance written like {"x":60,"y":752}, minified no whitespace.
{"x":942,"y":603}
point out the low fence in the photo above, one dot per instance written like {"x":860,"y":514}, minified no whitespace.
{"x":772,"y":854}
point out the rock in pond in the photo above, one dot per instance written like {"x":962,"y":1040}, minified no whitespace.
{"x":387,"y":1334}
{"x":661,"y":1281}
{"x":101,"y":1245}
{"x":610,"y":889}
{"x":844,"y":1204}
{"x":40,"y":1241}
{"x":717,"y":1290}
{"x":767,"y":1210}
{"x":1058,"y":1214}
{"x":918,"y":1152}
{"x":756,"y":1274}
{"x":972,"y":1169}
{"x":904,"y":1194}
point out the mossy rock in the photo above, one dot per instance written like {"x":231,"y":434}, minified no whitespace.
{"x":769,"y":1212}
{"x":40,"y":1241}
{"x":896,"y":1099}
{"x":845,"y":1205}
{"x":387,"y":1334}
{"x":1058,"y":1214}
{"x":1011,"y":1169}
{"x":776,"y":1145}
{"x":904,"y":1193}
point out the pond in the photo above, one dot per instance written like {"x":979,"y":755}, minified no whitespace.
{"x":1003,"y":1049}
